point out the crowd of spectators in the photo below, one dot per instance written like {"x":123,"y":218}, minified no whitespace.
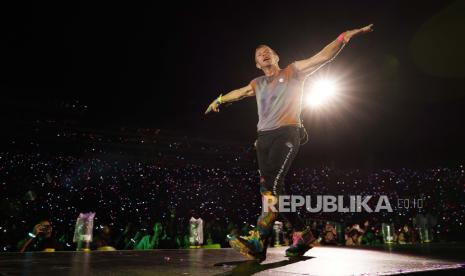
{"x":147,"y":203}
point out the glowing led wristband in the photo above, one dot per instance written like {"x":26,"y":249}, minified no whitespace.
{"x":220,"y":99}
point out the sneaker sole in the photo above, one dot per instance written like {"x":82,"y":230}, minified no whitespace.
{"x":240,"y":245}
{"x":297,"y":254}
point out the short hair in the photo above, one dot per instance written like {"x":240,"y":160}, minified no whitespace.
{"x":264,"y":45}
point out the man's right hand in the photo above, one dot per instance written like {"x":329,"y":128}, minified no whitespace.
{"x":38,"y":229}
{"x":214,"y":106}
{"x":235,"y":95}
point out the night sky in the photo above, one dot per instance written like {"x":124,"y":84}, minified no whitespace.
{"x":159,"y":66}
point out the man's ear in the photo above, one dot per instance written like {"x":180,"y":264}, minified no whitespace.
{"x":258,"y":66}
{"x":277,"y":58}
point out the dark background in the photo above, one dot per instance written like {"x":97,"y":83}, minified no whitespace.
{"x":159,"y":65}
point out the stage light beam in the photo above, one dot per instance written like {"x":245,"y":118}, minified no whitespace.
{"x":321,"y":91}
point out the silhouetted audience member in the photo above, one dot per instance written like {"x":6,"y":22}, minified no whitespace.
{"x":42,"y":238}
{"x":103,"y":239}
{"x":353,"y":235}
{"x":406,"y":235}
{"x":329,"y":234}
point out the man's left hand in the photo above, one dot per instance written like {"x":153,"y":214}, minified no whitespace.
{"x":349,"y":34}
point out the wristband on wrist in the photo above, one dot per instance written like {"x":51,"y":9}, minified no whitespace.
{"x":341,"y":38}
{"x":31,"y":235}
{"x":220,"y":99}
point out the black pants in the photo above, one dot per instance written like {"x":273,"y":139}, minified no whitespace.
{"x":276,"y":149}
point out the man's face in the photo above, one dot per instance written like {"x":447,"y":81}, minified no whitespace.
{"x":106,"y":230}
{"x":46,"y":228}
{"x":265,"y":56}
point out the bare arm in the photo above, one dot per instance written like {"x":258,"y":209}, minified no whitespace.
{"x":233,"y":96}
{"x":25,"y":245}
{"x":312,"y":64}
{"x":36,"y":231}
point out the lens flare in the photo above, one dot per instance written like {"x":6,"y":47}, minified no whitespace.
{"x":321,"y":92}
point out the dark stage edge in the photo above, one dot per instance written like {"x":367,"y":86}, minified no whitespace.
{"x":416,"y":260}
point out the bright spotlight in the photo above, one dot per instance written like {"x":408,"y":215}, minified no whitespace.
{"x":321,"y":92}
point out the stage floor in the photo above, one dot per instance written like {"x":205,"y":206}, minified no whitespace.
{"x":324,"y":260}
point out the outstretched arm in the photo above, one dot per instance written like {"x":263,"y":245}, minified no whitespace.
{"x":235,"y":95}
{"x":312,"y":64}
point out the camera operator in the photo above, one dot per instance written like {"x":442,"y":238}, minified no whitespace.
{"x":42,"y":238}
